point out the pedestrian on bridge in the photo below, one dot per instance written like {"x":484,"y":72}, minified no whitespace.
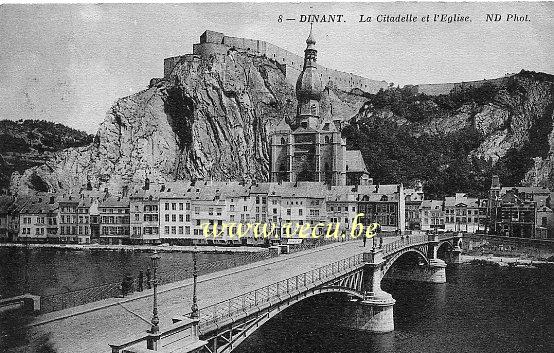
{"x":148,"y":276}
{"x":141,"y":281}
{"x":364,"y":238}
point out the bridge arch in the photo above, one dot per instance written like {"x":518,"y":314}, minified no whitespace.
{"x":252,"y":325}
{"x":444,"y":251}
{"x":414,"y":253}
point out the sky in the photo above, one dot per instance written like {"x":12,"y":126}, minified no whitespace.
{"x":69,"y":63}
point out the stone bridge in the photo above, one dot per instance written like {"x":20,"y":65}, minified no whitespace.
{"x":221,"y":327}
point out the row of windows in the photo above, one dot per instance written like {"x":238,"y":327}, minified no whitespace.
{"x":114,"y":210}
{"x":147,"y":230}
{"x":147,"y":217}
{"x":115,"y":230}
{"x":174,"y":206}
{"x":174,"y":218}
{"x":147,"y":208}
{"x":115,"y":219}
{"x":74,"y":219}
{"x":38,"y":231}
{"x":72,"y":230}
{"x":177,"y":230}
{"x":461,"y":219}
{"x":339,"y":209}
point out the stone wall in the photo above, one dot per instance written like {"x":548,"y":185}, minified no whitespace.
{"x":215,"y":43}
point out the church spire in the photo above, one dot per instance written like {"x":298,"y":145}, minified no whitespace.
{"x":310,"y":54}
{"x":309,"y":87}
{"x":311,"y":39}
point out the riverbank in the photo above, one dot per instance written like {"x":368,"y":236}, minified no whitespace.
{"x":505,"y":261}
{"x":210,"y":249}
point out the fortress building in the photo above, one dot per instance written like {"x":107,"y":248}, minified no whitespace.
{"x":216,"y":43}
{"x":312,"y":149}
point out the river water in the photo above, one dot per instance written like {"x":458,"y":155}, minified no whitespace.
{"x":482,"y":308}
{"x":47,"y":271}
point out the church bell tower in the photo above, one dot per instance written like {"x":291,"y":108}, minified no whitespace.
{"x":309,"y":88}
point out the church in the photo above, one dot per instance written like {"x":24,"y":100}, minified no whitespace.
{"x":312,"y":148}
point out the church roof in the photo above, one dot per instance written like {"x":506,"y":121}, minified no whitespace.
{"x":355,"y":162}
{"x":304,"y":130}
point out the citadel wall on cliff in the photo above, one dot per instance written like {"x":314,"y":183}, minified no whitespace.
{"x":215,"y":43}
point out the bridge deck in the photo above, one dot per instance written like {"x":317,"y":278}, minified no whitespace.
{"x":89,"y":328}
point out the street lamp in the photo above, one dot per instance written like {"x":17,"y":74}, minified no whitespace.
{"x":155,"y":320}
{"x":280,"y":229}
{"x":194,"y":307}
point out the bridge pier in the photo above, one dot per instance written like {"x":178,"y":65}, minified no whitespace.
{"x":373,"y":313}
{"x":435,"y":272}
{"x":456,"y":257}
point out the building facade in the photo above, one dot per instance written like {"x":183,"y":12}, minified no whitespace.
{"x":310,"y":148}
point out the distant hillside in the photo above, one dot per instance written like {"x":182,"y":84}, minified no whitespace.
{"x":457,"y":141}
{"x":24,"y":136}
{"x":28,"y":143}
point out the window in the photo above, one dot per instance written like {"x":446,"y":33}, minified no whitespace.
{"x":167,"y":206}
{"x":167,"y":218}
{"x":173,"y":206}
{"x":180,"y":206}
{"x":166,"y":230}
{"x":173,"y":218}
{"x":180,"y":218}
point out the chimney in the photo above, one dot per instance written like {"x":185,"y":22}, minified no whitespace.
{"x":376,"y":188}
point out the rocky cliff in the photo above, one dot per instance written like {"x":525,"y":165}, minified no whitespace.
{"x":210,"y":118}
{"x":28,"y":143}
{"x":457,"y":141}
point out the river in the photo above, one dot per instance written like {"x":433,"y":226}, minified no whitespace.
{"x":48,"y":271}
{"x":481,"y":308}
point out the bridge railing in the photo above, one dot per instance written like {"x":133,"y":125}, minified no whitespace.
{"x":242,"y":303}
{"x":404,"y":242}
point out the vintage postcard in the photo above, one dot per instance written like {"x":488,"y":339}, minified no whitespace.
{"x":277,"y":177}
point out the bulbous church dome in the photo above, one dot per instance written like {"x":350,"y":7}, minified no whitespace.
{"x":308,"y":85}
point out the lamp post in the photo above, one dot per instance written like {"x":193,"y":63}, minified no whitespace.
{"x":155,"y":320}
{"x":194,"y":307}
{"x":280,"y":229}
